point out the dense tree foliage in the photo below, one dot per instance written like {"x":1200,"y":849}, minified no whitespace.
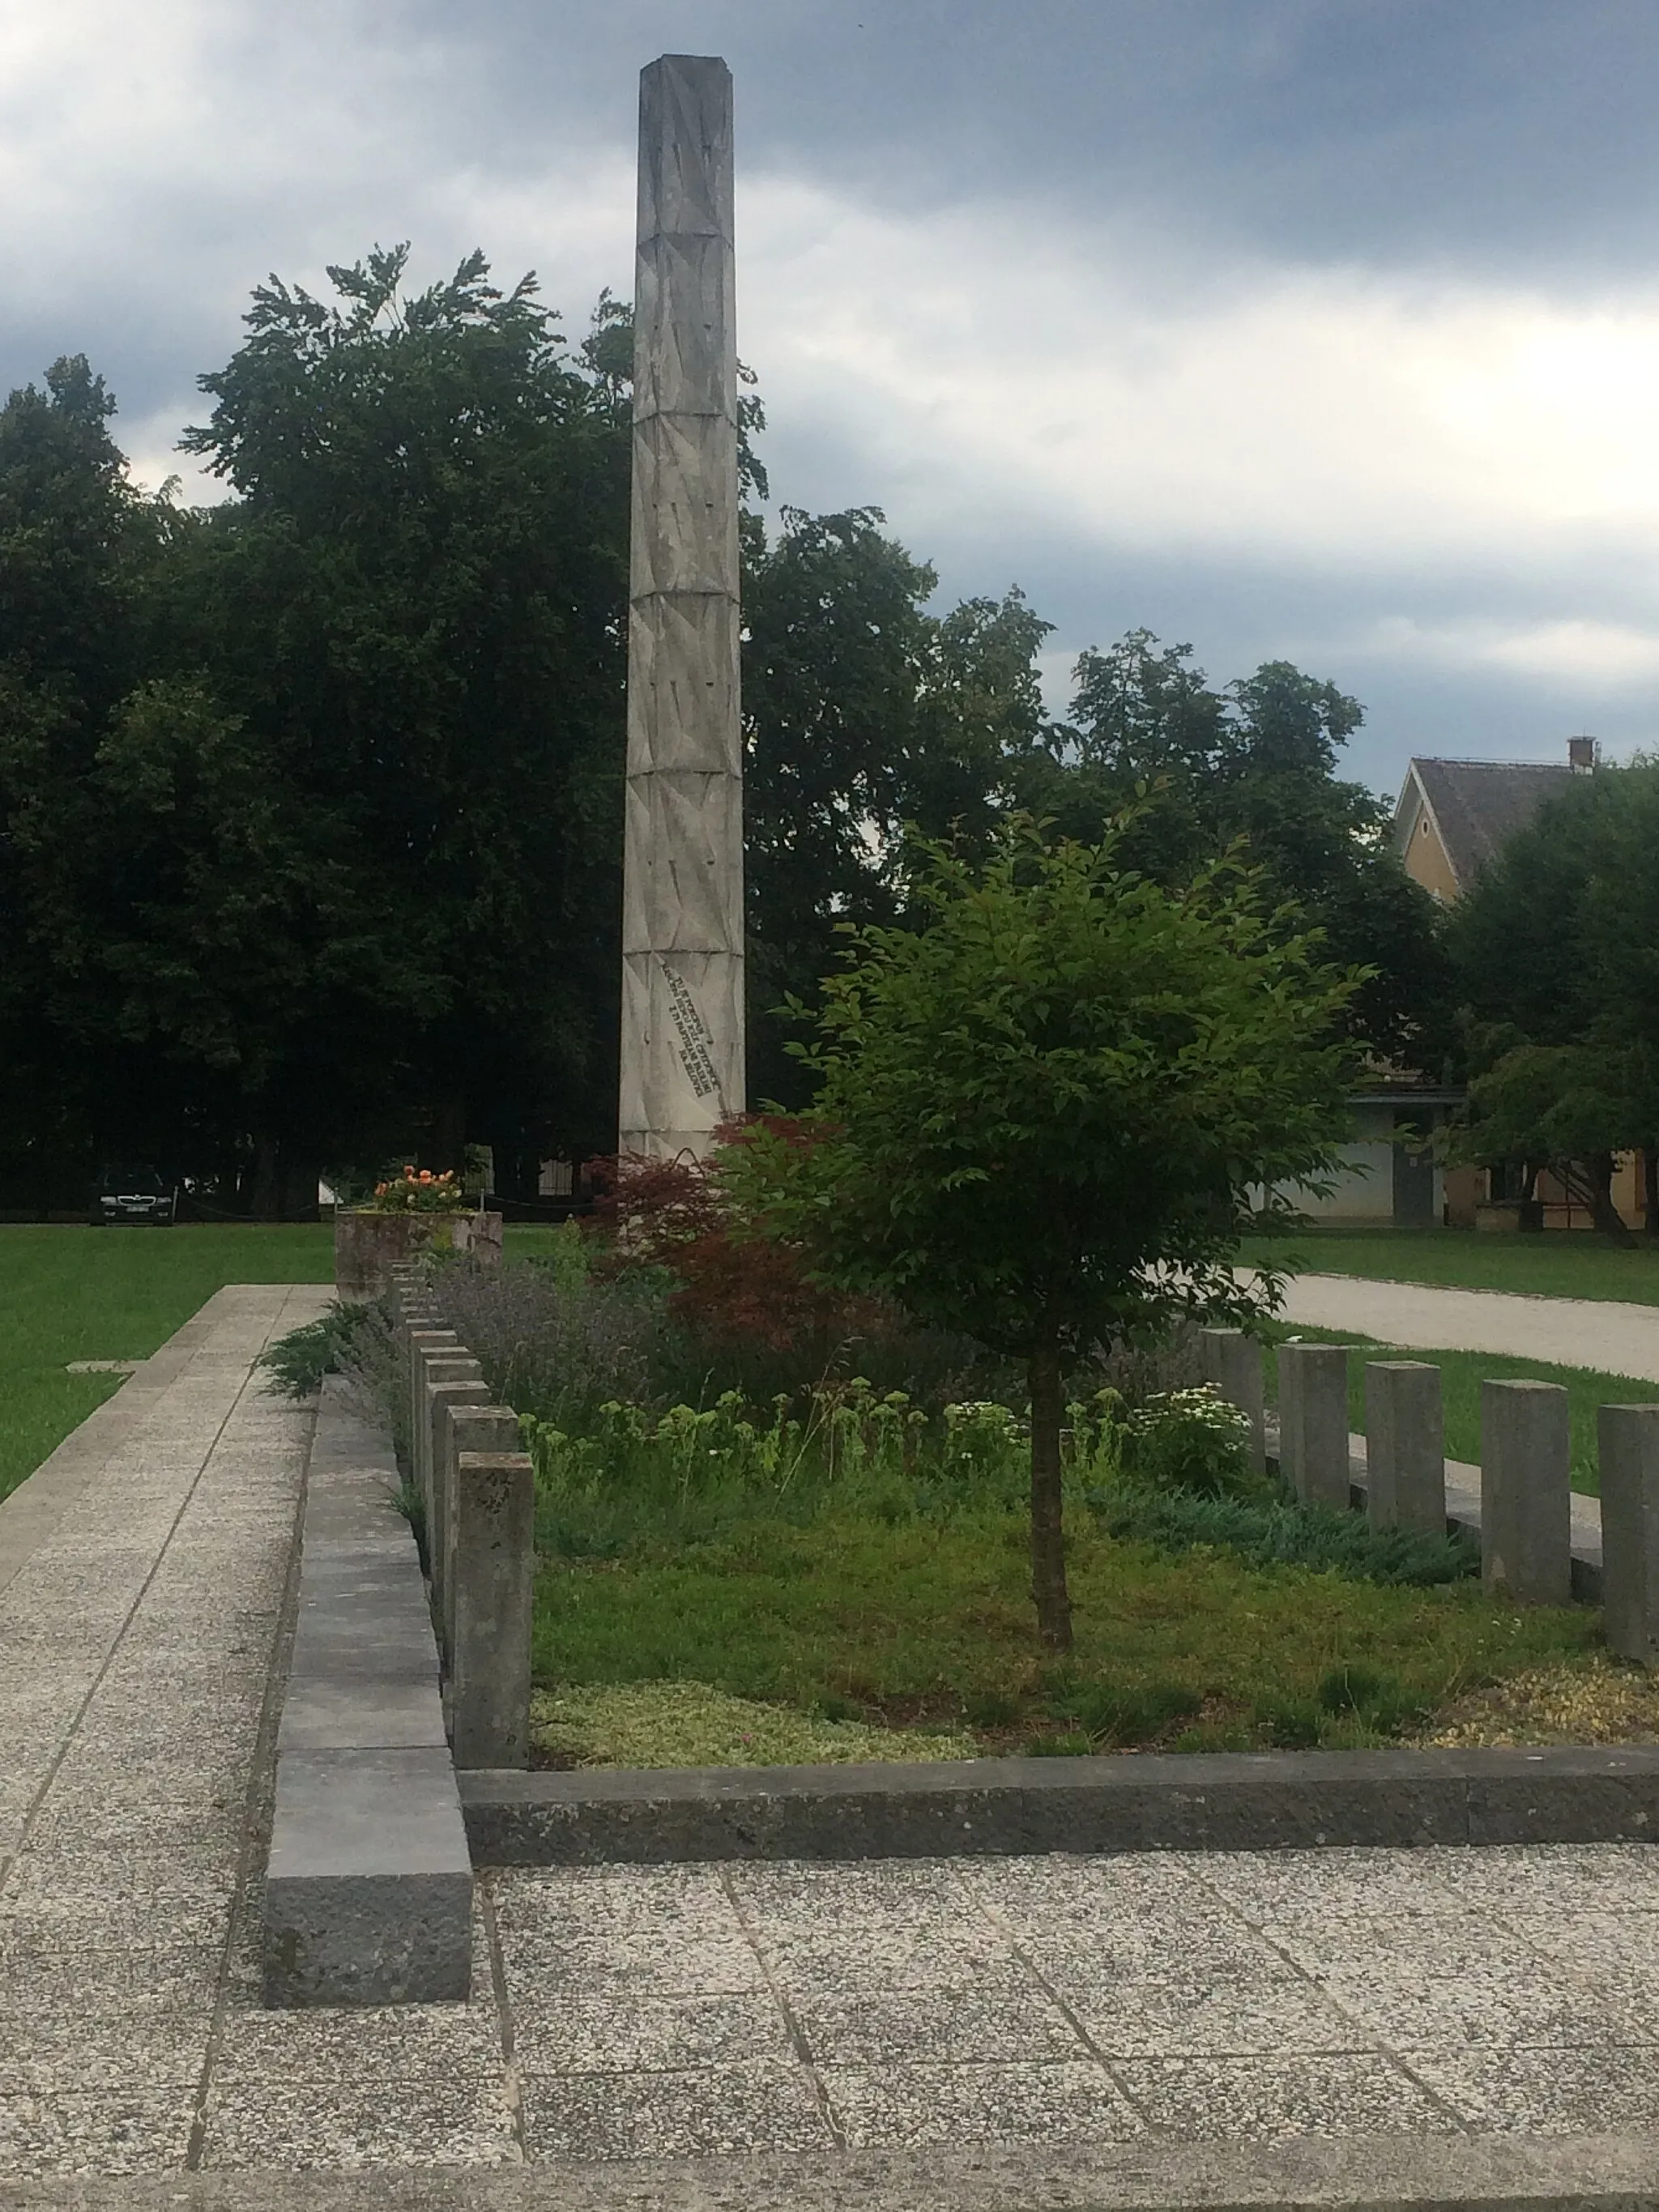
{"x":309,"y":802}
{"x":1255,"y":762}
{"x":76,"y":547}
{"x":869,"y":718}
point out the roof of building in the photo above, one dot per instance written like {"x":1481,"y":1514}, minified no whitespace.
{"x":1478,"y":805}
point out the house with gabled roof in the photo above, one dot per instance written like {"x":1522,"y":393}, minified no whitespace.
{"x":1454,"y":816}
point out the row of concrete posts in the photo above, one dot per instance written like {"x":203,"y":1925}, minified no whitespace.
{"x":460,"y":1455}
{"x":1526,"y":1470}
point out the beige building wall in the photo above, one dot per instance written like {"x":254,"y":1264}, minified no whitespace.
{"x":1424,"y":856}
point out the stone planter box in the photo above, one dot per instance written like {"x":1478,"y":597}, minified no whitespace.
{"x":367,"y":1245}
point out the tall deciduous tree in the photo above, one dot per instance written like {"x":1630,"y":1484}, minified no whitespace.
{"x":77,"y":542}
{"x":1255,"y":762}
{"x":1039,"y":1115}
{"x":415,"y":609}
{"x":868,"y":716}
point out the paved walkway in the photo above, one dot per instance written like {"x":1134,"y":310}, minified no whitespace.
{"x":142,"y":1578}
{"x":954,"y":2032}
{"x":1601,"y":1333}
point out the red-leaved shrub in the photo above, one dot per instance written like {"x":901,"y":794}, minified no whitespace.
{"x":737,"y":1284}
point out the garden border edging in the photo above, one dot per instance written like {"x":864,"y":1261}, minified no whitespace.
{"x":1136,"y":1801}
{"x":369,"y":1885}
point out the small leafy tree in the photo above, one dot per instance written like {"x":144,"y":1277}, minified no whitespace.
{"x":1041,"y":1117}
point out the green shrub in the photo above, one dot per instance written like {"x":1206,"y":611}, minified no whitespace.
{"x":1269,"y":1532}
{"x":1191,"y":1440}
{"x":297,"y":1363}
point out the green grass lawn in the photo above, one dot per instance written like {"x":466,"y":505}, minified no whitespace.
{"x":116,"y":1293}
{"x":928,"y":1622}
{"x":1461,"y":1374}
{"x":68,"y":1293}
{"x":1564,"y":1264}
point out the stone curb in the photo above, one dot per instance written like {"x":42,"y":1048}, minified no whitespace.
{"x":1362,"y":2173}
{"x":1140,"y":1801}
{"x":368,"y":1891}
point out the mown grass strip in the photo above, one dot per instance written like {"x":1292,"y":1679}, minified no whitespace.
{"x":1557,"y":1264}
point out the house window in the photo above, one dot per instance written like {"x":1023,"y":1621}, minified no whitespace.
{"x":557,"y":1179}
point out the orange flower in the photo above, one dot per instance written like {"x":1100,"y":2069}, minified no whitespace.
{"x":426,"y":1175}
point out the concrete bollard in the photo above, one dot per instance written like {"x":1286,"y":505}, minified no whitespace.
{"x":495,"y":1582}
{"x":435,"y":1368}
{"x":1526,"y":1492}
{"x":1232,"y":1362}
{"x":418,"y":1339}
{"x":1313,"y":1422}
{"x":466,"y":1427}
{"x":442,"y":1395}
{"x":1628,"y":1443}
{"x":1405,"y":1446}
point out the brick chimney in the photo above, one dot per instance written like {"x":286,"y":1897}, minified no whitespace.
{"x":1581,"y":755}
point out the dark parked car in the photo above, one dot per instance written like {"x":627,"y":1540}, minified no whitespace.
{"x":131,"y":1194}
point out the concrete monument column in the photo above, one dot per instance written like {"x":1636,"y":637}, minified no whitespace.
{"x":683,"y":979}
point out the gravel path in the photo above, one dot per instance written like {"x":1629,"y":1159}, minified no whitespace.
{"x":1619,"y":1340}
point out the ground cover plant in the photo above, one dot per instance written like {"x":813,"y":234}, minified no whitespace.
{"x":1461,"y":1374}
{"x":1555,"y":1264}
{"x":861,"y":1611}
{"x":68,"y":1293}
{"x":851,"y":1558}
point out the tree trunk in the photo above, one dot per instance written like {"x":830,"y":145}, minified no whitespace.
{"x":1048,"y":1590}
{"x":298,"y":1187}
{"x":1603,"y":1213}
{"x":264,"y":1201}
{"x":1651,"y":1189}
{"x":449,"y":1133}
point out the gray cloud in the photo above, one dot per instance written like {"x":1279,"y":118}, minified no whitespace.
{"x":1317,"y":328}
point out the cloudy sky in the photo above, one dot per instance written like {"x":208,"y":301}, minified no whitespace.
{"x":1326,"y":330}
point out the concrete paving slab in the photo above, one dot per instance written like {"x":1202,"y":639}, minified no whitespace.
{"x":962,"y":2027}
{"x":1189,"y":2018}
{"x":1229,"y":2100}
{"x":145,"y":2049}
{"x":556,"y":2032}
{"x":361,"y":2044}
{"x":1543,"y":2093}
{"x":710,"y":2112}
{"x":919,"y":2107}
{"x":383,"y":2125}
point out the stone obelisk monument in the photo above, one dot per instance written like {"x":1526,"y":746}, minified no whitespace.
{"x":682,"y":1012}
